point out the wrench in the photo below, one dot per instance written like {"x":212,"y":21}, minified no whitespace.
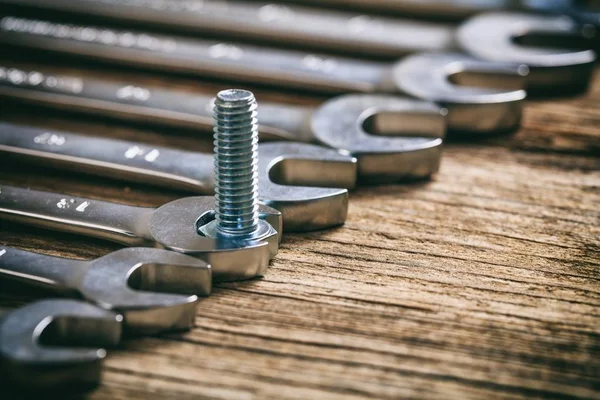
{"x":342,"y":123}
{"x":174,"y":226}
{"x":549,"y":74}
{"x":429,"y":9}
{"x":303,"y":208}
{"x":106,"y":282}
{"x":425,"y":76}
{"x":334,"y":31}
{"x":71,"y":355}
{"x":461,"y":9}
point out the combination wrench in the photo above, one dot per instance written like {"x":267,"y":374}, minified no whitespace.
{"x":286,"y":170}
{"x":460,"y":9}
{"x":173,"y":226}
{"x":77,"y":333}
{"x":472,"y":90}
{"x":138,"y":283}
{"x":392,"y":138}
{"x":358,"y":34}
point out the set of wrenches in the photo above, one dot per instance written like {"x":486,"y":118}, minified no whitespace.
{"x":397,"y":87}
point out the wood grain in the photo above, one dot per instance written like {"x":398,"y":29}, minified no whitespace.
{"x":483,"y":282}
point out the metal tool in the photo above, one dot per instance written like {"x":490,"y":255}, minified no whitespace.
{"x":392,"y":138}
{"x":549,"y":74}
{"x":281,"y":165}
{"x":300,"y":27}
{"x":443,"y":78}
{"x":430,"y":9}
{"x":56,"y":343}
{"x":149,"y":307}
{"x":174,"y":226}
{"x":583,"y":11}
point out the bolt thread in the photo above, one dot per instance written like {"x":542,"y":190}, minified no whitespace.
{"x":236,"y":162}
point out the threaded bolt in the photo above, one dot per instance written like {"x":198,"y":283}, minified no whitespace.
{"x":236,"y":163}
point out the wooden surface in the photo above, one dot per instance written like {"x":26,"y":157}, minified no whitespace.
{"x":482,"y":283}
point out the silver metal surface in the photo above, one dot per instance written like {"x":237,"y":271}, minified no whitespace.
{"x":288,"y":171}
{"x":71,"y":354}
{"x":454,"y":80}
{"x":393,"y":138}
{"x":139,"y":283}
{"x":461,"y":9}
{"x":236,"y":163}
{"x":236,"y":171}
{"x":358,"y":124}
{"x":494,"y":37}
{"x":433,"y":9}
{"x":172,"y":226}
{"x":297,"y":26}
{"x":285,"y":170}
{"x":268,"y":22}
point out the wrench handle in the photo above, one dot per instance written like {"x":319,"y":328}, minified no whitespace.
{"x":454,"y":10}
{"x":115,"y":222}
{"x":111,"y":158}
{"x":108,"y":99}
{"x":195,"y":56}
{"x":40,"y":270}
{"x":275,"y":23}
{"x":140,"y":104}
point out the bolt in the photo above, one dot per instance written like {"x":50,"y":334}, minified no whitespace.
{"x":236,"y":168}
{"x":236,"y":162}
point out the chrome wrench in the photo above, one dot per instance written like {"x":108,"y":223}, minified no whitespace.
{"x":303,"y":208}
{"x":430,"y":9}
{"x":461,"y":9}
{"x":358,"y":34}
{"x":409,"y":132}
{"x":428,"y":77}
{"x":290,"y":69}
{"x":166,"y":283}
{"x":173,"y":226}
{"x":75,"y":353}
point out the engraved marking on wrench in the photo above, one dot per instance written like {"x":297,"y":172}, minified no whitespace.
{"x":136,"y":151}
{"x":83,"y":206}
{"x":50,"y":139}
{"x":364,"y":23}
{"x":133,"y":93}
{"x":65,"y":204}
{"x":317,"y":63}
{"x":225,"y":50}
{"x":18,"y":77}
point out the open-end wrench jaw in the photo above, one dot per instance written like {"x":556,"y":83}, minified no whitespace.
{"x":535,"y":41}
{"x":157,"y":275}
{"x":177,"y":226}
{"x":405,"y":140}
{"x":301,"y":180}
{"x":480,"y":96}
{"x":26,"y":360}
{"x":155,"y":290}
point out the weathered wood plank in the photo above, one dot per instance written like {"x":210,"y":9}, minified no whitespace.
{"x":482,"y":282}
{"x":569,"y":126}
